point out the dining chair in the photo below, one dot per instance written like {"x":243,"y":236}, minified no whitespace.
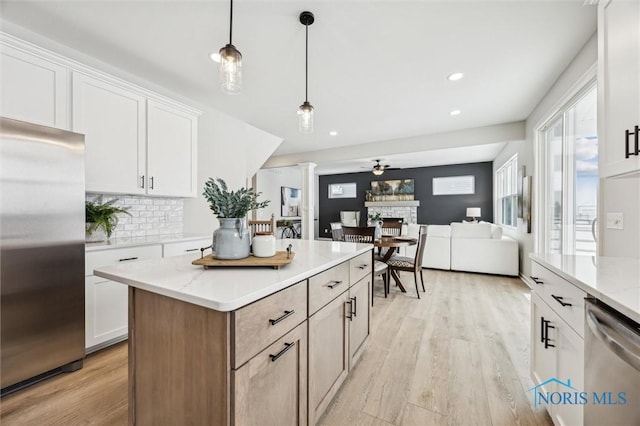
{"x":262,"y":225}
{"x":402,"y":263}
{"x":392,"y":226}
{"x":350,"y":218}
{"x":366,"y":234}
{"x":336,"y":231}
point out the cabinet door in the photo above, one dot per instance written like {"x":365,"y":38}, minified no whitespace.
{"x":359,"y":322}
{"x":569,"y":366}
{"x":619,"y":85}
{"x":542,"y":356}
{"x":113,"y":122}
{"x":106,"y":312}
{"x":270,"y":389}
{"x":171,"y":151}
{"x":328,"y":354}
{"x":33,"y":89}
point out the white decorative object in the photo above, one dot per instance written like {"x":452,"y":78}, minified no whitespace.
{"x":264,"y":245}
{"x":474,"y":212}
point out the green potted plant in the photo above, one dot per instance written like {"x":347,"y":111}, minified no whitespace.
{"x":101,"y":218}
{"x":231,"y":240}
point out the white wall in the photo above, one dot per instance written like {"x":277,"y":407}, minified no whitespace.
{"x":269,"y":181}
{"x":620,"y":195}
{"x":582,"y":64}
{"x":230,"y":149}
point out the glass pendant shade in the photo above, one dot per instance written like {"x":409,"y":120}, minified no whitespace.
{"x":305,"y":118}
{"x":230,"y":70}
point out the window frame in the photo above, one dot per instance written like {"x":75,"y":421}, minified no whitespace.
{"x":506,"y":184}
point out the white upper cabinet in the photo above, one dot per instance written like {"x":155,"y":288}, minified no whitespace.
{"x":113,"y":122}
{"x":33,"y":88}
{"x":618,"y":86}
{"x":171,"y":150}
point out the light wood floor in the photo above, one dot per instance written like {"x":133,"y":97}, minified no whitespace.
{"x":458,"y":356}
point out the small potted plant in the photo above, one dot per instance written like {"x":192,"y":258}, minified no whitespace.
{"x":101,"y":219}
{"x":375,"y":219}
{"x":231,"y":240}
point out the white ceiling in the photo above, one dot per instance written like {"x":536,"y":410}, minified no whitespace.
{"x":377,"y":68}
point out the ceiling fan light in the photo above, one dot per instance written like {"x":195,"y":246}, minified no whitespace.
{"x":230,"y":70}
{"x":378,"y":172}
{"x":305,"y":118}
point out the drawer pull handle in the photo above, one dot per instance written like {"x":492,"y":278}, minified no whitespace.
{"x":350,"y":303}
{"x":536,"y":280}
{"x":546,"y":335}
{"x":193,"y":249}
{"x":127,"y":258}
{"x":355,"y":306}
{"x":560,"y":300}
{"x":363,"y":266}
{"x":287,"y":346}
{"x":286,"y":314}
{"x":334,"y":284}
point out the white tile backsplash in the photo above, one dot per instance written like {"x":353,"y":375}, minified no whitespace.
{"x":149,"y":216}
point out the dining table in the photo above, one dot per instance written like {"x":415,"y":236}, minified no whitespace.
{"x":392,"y":244}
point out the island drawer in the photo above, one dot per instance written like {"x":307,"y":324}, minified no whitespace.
{"x":256,"y":326}
{"x":564,"y":298}
{"x":327,"y":285}
{"x":96,"y":258}
{"x":360,"y":267}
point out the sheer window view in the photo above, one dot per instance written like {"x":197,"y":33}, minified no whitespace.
{"x":571,"y":145}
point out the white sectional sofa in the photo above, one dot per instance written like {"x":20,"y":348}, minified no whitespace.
{"x":470,"y":247}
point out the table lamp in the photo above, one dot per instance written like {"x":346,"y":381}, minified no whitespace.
{"x":474,"y":212}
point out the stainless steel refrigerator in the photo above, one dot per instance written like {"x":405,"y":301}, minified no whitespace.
{"x":41,"y":252}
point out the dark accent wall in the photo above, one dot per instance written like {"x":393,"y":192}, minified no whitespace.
{"x":433,"y":210}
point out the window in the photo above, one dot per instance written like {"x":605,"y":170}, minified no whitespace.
{"x":507,"y":192}
{"x":570,"y":170}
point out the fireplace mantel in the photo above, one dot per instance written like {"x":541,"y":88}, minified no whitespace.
{"x":412,"y":203}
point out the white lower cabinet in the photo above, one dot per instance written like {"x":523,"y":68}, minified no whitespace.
{"x":106,"y":301}
{"x":557,"y":348}
{"x":184,"y":247}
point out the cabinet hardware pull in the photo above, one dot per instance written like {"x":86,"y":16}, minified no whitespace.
{"x":287,"y":346}
{"x":202,"y":249}
{"x":127,"y":258}
{"x":142,"y":181}
{"x":350,"y":303}
{"x":355,"y":306}
{"x":536,"y":280}
{"x":193,"y":249}
{"x":363,"y":266}
{"x":627,"y":153}
{"x":335,"y":284}
{"x":560,"y":300}
{"x":546,"y":337}
{"x":542,"y":323}
{"x":151,"y":184}
{"x":636,"y":130}
{"x":286,"y":314}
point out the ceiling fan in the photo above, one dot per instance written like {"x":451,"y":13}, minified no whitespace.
{"x":379,"y":169}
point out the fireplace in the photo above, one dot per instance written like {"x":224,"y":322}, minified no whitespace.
{"x":408,"y":210}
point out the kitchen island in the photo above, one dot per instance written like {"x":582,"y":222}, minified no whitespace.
{"x":244,"y":345}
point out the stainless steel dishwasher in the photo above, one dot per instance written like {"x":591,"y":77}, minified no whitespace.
{"x":612,"y":366}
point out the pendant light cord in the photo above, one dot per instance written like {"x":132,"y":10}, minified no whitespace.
{"x":231,"y":23}
{"x":306,"y":64}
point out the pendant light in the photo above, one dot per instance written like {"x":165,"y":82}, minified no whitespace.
{"x":230,"y":64}
{"x":305,"y":112}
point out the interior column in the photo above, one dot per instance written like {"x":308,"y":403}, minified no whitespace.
{"x":308,"y":195}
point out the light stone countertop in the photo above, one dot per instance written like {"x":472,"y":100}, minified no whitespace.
{"x":228,"y":288}
{"x":613,"y":280}
{"x":142,"y":241}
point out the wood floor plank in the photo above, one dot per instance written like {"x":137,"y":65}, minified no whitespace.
{"x":418,"y":416}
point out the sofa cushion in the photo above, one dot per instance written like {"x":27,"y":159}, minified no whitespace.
{"x":441,"y":231}
{"x":470,"y":230}
{"x":496,"y":232}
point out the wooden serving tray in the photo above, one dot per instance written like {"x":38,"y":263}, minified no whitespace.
{"x":280,"y":259}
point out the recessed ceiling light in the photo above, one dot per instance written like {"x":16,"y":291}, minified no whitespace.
{"x":215,"y":57}
{"x":455,"y":76}
{"x":455,"y":112}
{"x":333,"y":133}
